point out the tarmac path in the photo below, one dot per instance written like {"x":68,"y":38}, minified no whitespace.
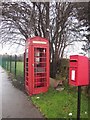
{"x":13,"y":102}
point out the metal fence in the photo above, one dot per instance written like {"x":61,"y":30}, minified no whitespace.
{"x":14,"y":64}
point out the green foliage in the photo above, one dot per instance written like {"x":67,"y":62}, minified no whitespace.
{"x":0,"y":60}
{"x":56,"y":104}
{"x":62,"y":69}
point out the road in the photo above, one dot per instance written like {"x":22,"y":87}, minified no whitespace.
{"x":15,"y":103}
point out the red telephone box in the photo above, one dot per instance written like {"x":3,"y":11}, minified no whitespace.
{"x":36,"y":65}
{"x":79,"y":70}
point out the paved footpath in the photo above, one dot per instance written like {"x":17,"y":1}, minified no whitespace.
{"x":15,"y":103}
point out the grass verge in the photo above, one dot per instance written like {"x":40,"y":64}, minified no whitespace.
{"x":54,"y":104}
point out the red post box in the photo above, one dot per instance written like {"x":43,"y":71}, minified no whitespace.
{"x":89,"y":71}
{"x":78,"y":70}
{"x":36,"y":65}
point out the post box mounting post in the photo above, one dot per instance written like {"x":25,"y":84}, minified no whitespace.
{"x":78,"y":102}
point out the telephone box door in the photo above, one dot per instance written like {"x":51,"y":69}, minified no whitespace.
{"x":40,"y":68}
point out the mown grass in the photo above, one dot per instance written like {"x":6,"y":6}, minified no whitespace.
{"x":19,"y":68}
{"x":54,"y":104}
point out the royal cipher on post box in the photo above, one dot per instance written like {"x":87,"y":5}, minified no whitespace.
{"x":36,"y":65}
{"x":78,"y":70}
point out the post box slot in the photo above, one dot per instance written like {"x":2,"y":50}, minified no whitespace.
{"x":73,"y":60}
{"x":73,"y":63}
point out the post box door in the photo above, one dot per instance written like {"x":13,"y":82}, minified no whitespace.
{"x":73,"y":71}
{"x":89,"y":71}
{"x":40,"y":67}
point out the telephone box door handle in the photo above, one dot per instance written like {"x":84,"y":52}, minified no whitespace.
{"x":33,"y":65}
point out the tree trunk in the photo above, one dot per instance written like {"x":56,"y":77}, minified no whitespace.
{"x":47,"y":20}
{"x":53,"y":67}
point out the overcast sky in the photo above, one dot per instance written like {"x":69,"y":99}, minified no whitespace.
{"x":15,"y":49}
{"x":75,"y":49}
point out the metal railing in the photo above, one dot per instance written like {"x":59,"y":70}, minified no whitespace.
{"x":14,"y":64}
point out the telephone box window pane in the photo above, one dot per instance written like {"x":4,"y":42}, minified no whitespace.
{"x":26,"y":59}
{"x":26,"y":53}
{"x":40,"y":67}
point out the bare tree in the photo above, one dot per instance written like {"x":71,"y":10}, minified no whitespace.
{"x":49,"y":20}
{"x":83,"y":15}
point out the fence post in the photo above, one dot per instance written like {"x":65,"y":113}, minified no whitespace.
{"x":15,"y":64}
{"x":10,"y":63}
{"x":4,"y":62}
{"x":7,"y":62}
